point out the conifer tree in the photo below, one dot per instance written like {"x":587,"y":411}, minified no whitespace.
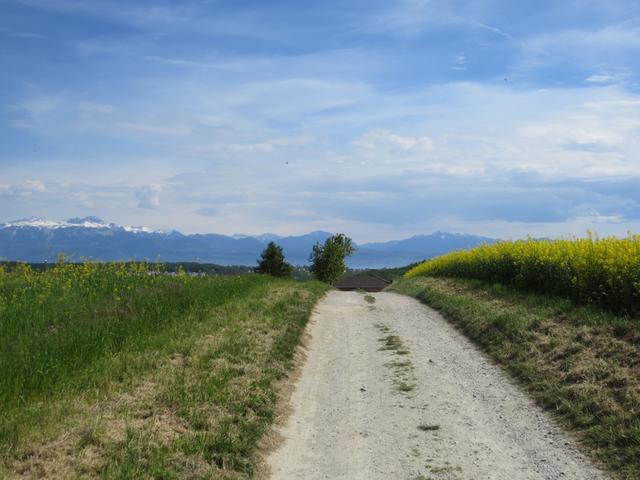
{"x":272,"y":262}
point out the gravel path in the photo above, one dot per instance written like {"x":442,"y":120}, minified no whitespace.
{"x":391,"y":391}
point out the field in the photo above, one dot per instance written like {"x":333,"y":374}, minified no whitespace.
{"x":562,"y":318}
{"x":602,"y":272}
{"x":120,"y":371}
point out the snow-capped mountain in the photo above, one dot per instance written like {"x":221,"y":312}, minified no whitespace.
{"x":41,"y":240}
{"x":85,"y":222}
{"x":267,"y":237}
{"x":263,"y":238}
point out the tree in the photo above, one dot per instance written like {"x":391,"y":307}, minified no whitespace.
{"x":272,"y":262}
{"x":327,"y":261}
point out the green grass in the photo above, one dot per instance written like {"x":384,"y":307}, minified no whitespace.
{"x":370,"y":299}
{"x":393,"y":343}
{"x":142,"y":375}
{"x":404,"y":387}
{"x":403,"y":379}
{"x":581,"y":363}
{"x":428,"y":428}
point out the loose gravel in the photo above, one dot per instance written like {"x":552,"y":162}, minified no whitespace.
{"x":432,"y":407}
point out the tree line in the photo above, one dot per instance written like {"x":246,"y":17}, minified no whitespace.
{"x":327,"y":259}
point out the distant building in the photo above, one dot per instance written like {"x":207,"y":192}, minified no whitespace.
{"x":368,"y":283}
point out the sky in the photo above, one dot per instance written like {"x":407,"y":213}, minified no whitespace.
{"x":380,"y":119}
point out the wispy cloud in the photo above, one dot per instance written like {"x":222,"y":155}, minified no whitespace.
{"x":23,"y":35}
{"x":602,"y":78}
{"x":380,"y":142}
{"x":610,"y":37}
{"x":384,"y":118}
{"x":149,"y":197}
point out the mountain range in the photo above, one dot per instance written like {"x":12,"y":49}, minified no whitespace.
{"x":89,"y":238}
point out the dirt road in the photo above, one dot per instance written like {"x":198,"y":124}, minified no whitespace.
{"x":391,"y":391}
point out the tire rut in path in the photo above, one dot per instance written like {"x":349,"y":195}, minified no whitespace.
{"x":391,"y":390}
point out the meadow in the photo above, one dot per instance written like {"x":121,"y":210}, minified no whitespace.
{"x":124,"y":371}
{"x":604,"y":272}
{"x":562,"y":318}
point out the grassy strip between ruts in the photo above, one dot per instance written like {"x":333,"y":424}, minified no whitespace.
{"x":579,"y":362}
{"x":190,"y":401}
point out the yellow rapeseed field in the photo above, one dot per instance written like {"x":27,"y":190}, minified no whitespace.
{"x":592,"y":270}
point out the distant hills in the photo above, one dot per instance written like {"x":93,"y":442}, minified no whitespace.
{"x":89,"y":238}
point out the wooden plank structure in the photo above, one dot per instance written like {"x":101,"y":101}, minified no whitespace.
{"x":368,"y":283}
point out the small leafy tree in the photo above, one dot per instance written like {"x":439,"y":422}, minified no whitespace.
{"x":272,"y":262}
{"x":327,"y":261}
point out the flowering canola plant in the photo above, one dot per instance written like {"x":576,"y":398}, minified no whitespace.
{"x":599,"y":271}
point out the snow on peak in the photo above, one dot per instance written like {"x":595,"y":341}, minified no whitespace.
{"x":35,"y":222}
{"x":138,"y":229}
{"x":84,"y":222}
{"x":81,"y":221}
{"x":267,"y":237}
{"x":262,"y":238}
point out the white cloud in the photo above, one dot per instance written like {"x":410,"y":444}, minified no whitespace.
{"x":42,"y":105}
{"x":21,"y":124}
{"x":25,"y":35}
{"x":486,"y":27}
{"x":34,"y":186}
{"x":575,"y":226}
{"x":155,"y":129}
{"x":602,"y":78}
{"x":608,"y":37}
{"x":461,"y":132}
{"x":271,"y":132}
{"x":409,"y":18}
{"x":386,"y":141}
{"x":92,"y":107}
{"x":460,"y":62}
{"x":149,"y":196}
{"x":405,"y":17}
{"x":251,"y":148}
{"x":25,"y":189}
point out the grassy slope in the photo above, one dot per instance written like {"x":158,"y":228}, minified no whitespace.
{"x":581,"y":363}
{"x":178,"y":381}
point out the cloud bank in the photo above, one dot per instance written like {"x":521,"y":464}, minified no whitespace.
{"x":382,"y":119}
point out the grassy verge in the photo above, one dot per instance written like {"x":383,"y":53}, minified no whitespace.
{"x":579,"y":362}
{"x":176,"y":379}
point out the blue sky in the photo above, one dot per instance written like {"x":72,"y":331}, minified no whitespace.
{"x":381,"y":119}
